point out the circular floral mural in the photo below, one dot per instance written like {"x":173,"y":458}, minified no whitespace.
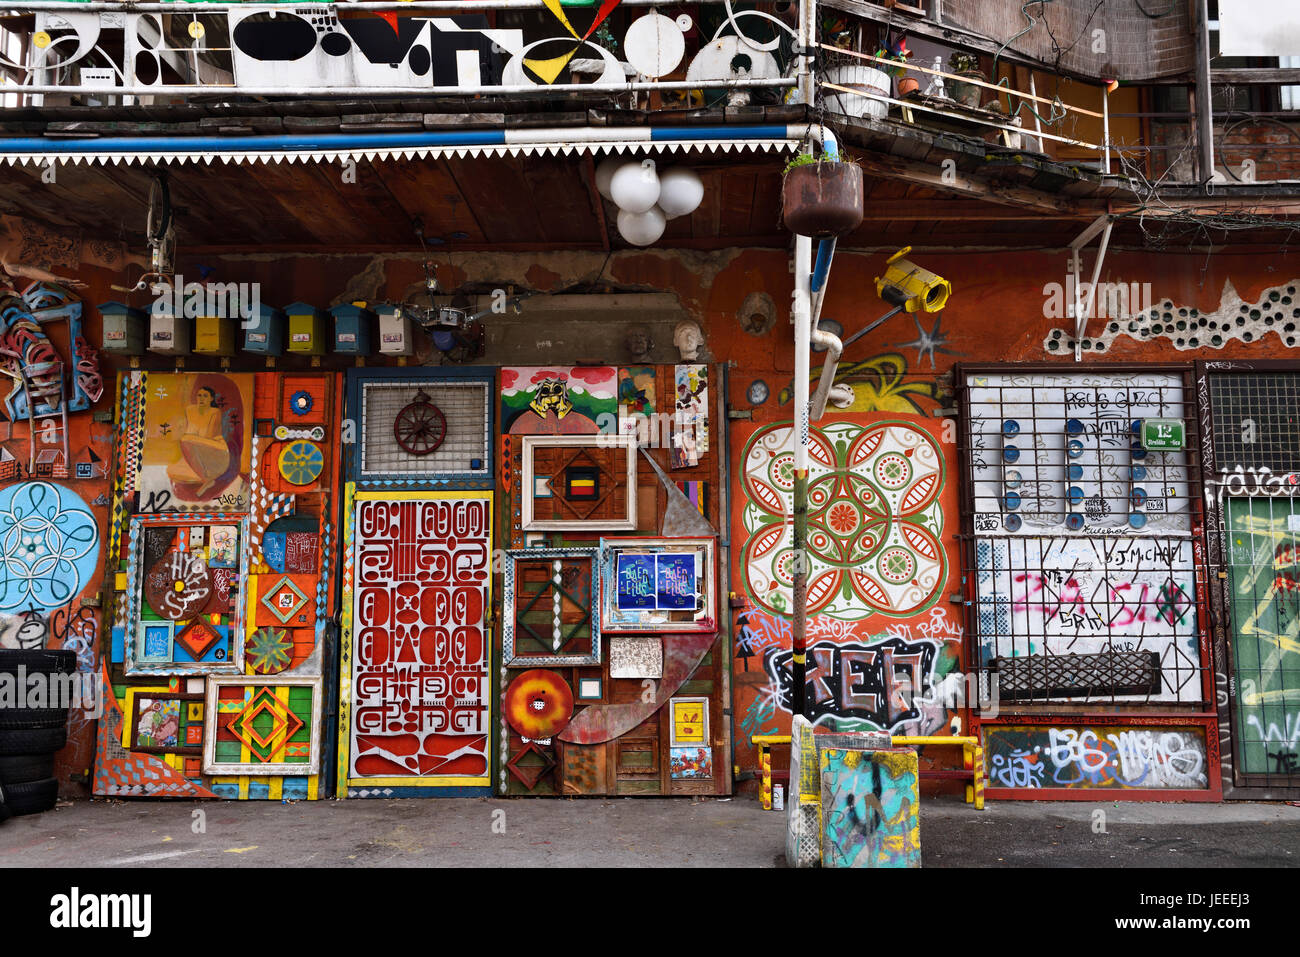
{"x":874,"y":520}
{"x":49,"y":545}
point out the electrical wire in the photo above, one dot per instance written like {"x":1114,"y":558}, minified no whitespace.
{"x":1058,"y":111}
{"x":1156,"y":16}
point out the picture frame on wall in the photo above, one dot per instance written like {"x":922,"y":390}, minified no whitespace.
{"x":150,"y":638}
{"x":658,"y":585}
{"x":267,"y":722}
{"x":578,"y":483}
{"x":551,"y":607}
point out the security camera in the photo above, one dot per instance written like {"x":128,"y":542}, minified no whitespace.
{"x":140,"y":286}
{"x":910,"y":287}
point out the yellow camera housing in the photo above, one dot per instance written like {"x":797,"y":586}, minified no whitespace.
{"x":908,"y":285}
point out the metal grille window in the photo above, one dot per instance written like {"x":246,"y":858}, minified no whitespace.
{"x":466,"y":443}
{"x":1256,"y":420}
{"x":1084,"y":581}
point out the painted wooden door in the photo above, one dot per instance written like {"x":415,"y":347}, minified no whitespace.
{"x":416,"y":689}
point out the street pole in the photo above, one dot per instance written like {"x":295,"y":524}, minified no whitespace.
{"x":801,"y":314}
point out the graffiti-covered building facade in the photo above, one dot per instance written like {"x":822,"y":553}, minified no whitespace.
{"x":407,"y":403}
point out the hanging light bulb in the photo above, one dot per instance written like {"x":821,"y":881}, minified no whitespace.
{"x":604,"y":173}
{"x":642,"y":229}
{"x":680,"y":191}
{"x":635,"y":186}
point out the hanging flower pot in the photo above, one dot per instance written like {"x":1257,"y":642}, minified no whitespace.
{"x":822,"y":199}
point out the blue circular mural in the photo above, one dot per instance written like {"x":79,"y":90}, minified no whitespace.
{"x":49,"y":546}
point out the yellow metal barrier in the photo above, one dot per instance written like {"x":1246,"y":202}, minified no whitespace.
{"x":972,"y":760}
{"x":765,"y":742}
{"x":972,"y":754}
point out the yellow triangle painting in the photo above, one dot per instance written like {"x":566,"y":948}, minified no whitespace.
{"x":548,"y":70}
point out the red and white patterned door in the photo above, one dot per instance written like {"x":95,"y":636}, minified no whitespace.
{"x":416,"y":692}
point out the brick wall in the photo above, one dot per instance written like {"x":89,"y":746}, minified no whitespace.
{"x":1274,"y":146}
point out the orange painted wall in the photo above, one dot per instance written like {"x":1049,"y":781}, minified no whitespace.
{"x":999,"y":311}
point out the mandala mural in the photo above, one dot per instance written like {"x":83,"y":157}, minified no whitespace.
{"x":874,"y":520}
{"x":49,"y":546}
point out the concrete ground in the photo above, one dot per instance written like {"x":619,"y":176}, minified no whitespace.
{"x":628,"y":832}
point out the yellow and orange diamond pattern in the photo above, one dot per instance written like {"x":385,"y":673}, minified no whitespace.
{"x":263,"y":724}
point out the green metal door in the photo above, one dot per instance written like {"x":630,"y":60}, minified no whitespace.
{"x":1264,"y":602}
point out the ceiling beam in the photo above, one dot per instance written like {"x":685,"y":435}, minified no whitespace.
{"x":951,"y":210}
{"x":960,"y":184}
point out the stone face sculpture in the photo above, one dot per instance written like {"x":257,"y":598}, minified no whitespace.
{"x":689,"y":340}
{"x":639,"y":344}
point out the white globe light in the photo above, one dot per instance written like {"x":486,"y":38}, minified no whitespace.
{"x":680,"y":191}
{"x":642,"y":229}
{"x":604,"y":173}
{"x":635,"y":186}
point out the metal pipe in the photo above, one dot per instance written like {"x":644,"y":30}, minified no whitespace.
{"x":612,"y":89}
{"x":941,"y":112}
{"x":1038,"y":123}
{"x":820,"y":337}
{"x":801,"y":313}
{"x":390,"y":141}
{"x":1105,"y":128}
{"x":1081,"y":321}
{"x":834,"y":349}
{"x":802,"y":316}
{"x":806,"y":35}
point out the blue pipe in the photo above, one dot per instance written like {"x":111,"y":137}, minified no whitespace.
{"x":240,"y":144}
{"x":825,"y":250}
{"x":716,"y":132}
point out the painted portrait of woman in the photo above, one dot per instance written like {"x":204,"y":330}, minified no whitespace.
{"x":208,"y":431}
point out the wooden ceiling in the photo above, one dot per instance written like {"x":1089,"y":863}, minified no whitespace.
{"x":497,"y":203}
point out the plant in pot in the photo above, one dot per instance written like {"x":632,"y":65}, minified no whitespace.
{"x":851,"y":73}
{"x":967,"y":65}
{"x":821,"y":198}
{"x":899,"y":53}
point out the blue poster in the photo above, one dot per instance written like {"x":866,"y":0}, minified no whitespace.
{"x":676,"y":582}
{"x":636,"y":582}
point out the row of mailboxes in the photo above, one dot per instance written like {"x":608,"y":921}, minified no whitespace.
{"x":299,"y":329}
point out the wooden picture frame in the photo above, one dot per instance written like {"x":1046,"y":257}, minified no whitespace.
{"x":609,"y":482}
{"x":268,"y":768}
{"x":513,"y":594}
{"x":661,"y":612}
{"x":135,"y":664}
{"x":130,"y":727}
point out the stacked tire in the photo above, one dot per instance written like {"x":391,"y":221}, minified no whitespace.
{"x":29,"y":737}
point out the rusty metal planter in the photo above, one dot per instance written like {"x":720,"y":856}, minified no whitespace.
{"x":822,"y":199}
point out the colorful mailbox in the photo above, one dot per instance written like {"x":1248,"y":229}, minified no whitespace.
{"x":307,"y":325}
{"x":169,"y":334}
{"x":395,"y":335}
{"x":215,"y":335}
{"x":352,"y":325}
{"x":265,"y":331}
{"x":124,"y":328}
